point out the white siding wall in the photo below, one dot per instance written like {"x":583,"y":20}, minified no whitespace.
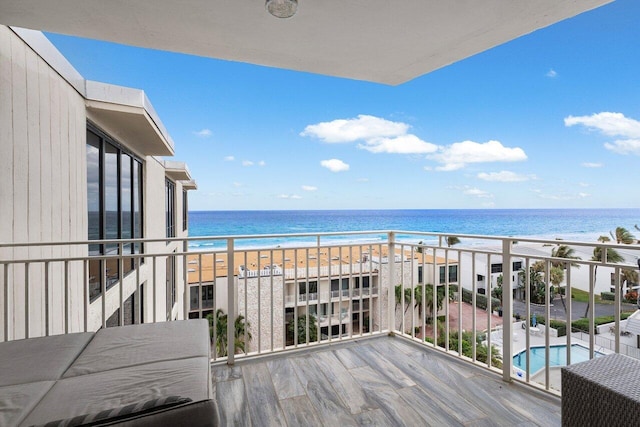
{"x":42,"y":181}
{"x":43,"y":198}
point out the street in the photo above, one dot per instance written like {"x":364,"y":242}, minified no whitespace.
{"x":577,"y":309}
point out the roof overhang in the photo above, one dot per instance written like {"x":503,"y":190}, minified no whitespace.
{"x":374,"y":40}
{"x":189,"y":185}
{"x":177,"y":171}
{"x":127,"y":115}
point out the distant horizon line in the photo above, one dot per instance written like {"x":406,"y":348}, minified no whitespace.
{"x":410,"y":209}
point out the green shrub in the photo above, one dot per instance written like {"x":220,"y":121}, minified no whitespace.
{"x":583,"y":323}
{"x":481,"y":300}
{"x":560,"y":326}
{"x":607,"y":296}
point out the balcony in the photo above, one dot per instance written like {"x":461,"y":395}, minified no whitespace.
{"x":472,"y":365}
{"x":381,"y":381}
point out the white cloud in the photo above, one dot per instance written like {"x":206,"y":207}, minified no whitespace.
{"x":610,"y":124}
{"x":378,"y":135}
{"x":448,"y":167}
{"x":591,"y":165}
{"x":551,"y":73}
{"x":309,"y":188}
{"x":470,"y":191}
{"x":335,"y":165}
{"x":457,"y":155}
{"x":626,"y":146}
{"x":504,"y":176}
{"x":247,"y":163}
{"x":237,"y":184}
{"x":229,"y":159}
{"x":363,"y":127}
{"x":363,"y":180}
{"x":289,"y":196}
{"x":584,"y":184}
{"x":562,"y":196}
{"x":402,"y":144}
{"x":203,"y":133}
{"x":262,"y":163}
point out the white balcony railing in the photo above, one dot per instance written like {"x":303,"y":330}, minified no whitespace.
{"x":53,"y":288}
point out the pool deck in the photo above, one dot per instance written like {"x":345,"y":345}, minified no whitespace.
{"x":537,"y":338}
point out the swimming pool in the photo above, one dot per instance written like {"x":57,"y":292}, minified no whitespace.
{"x":557,"y":356}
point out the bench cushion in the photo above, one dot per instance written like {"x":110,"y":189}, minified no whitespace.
{"x":17,"y":400}
{"x":93,"y":393}
{"x":115,"y":348}
{"x":39,"y":359}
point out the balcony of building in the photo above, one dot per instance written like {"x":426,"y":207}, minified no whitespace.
{"x":393,"y":361}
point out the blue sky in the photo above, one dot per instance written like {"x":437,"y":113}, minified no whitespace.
{"x":550,"y":120}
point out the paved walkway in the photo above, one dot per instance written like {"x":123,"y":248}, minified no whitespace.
{"x":467,"y":318}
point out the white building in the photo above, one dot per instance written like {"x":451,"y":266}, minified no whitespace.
{"x":81,"y":160}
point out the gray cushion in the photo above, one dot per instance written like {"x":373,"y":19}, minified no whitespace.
{"x":93,"y":393}
{"x":115,"y":348}
{"x":17,"y":400}
{"x":39,"y":359}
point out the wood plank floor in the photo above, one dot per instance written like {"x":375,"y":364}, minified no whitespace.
{"x":381,"y":381}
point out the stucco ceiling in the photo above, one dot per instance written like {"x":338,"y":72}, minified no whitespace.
{"x":376,"y":40}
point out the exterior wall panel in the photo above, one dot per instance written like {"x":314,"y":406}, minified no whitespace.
{"x":43,"y":196}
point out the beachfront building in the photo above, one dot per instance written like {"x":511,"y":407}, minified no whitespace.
{"x":489,"y":272}
{"x":343,"y":290}
{"x":82,"y":161}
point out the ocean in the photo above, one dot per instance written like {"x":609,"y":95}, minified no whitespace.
{"x":568,"y":224}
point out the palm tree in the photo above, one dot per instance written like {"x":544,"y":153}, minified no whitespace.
{"x":241,"y":331}
{"x":622,"y":235}
{"x":612,"y":256}
{"x":556,"y":276}
{"x":302,"y":329}
{"x":537,"y":288}
{"x":428,"y":298}
{"x":562,"y":251}
{"x":452,"y":240}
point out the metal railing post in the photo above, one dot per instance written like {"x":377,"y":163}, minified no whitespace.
{"x":231,"y":309}
{"x":185,"y":281}
{"x":391,"y":257}
{"x":507,"y":308}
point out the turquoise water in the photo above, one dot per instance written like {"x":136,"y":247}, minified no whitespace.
{"x":570,"y":224}
{"x":557,"y":356}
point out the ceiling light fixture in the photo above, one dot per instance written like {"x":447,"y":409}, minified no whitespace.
{"x":282,"y":8}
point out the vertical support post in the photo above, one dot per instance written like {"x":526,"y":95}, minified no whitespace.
{"x":185,"y":281}
{"x":617,"y":304}
{"x":231,"y":309}
{"x":391,"y":257}
{"x":121,"y":283}
{"x":507,"y":308}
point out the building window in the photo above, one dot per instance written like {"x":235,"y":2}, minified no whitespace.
{"x":313,"y":287}
{"x":171,"y":285}
{"x":420,"y":274}
{"x":453,"y":274}
{"x":170,"y":198}
{"x":185,"y":211}
{"x":114,"y":201}
{"x":517,"y":266}
{"x":365,"y":282}
{"x":496,"y":268}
